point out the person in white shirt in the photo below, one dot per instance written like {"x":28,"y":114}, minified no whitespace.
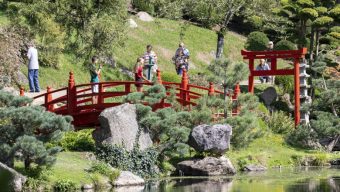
{"x":33,"y":68}
{"x":150,"y":58}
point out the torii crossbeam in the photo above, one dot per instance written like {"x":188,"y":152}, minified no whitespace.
{"x":296,"y":55}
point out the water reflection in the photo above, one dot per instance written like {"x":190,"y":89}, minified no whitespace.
{"x":286,"y":180}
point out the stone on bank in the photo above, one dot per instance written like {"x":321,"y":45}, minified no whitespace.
{"x":119,"y":126}
{"x":10,"y":180}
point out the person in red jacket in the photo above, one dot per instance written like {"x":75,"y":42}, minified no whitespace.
{"x":139,"y":77}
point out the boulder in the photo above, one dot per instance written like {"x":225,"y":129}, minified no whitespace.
{"x":251,"y":168}
{"x":209,"y":166}
{"x":132,"y":23}
{"x":211,"y":138}
{"x":126,"y":178}
{"x":269,"y":95}
{"x":21,"y":78}
{"x":118,"y":126}
{"x":10,"y":180}
{"x":129,"y":189}
{"x":11,"y":90}
{"x":144,"y":16}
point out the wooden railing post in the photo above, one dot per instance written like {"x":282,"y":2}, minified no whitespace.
{"x":236,"y":109}
{"x":71,"y":95}
{"x":211,"y":89}
{"x":48,"y":99}
{"x":184,"y":86}
{"x":100,"y":94}
{"x":251,"y":77}
{"x":159,"y":77}
{"x":127,"y":88}
{"x":22,"y":91}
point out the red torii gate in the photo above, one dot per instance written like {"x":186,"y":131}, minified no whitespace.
{"x":274,"y":55}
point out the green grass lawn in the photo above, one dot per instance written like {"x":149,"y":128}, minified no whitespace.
{"x":271,"y":150}
{"x":71,"y":166}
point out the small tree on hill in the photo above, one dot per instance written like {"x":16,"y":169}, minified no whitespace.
{"x":224,"y":72}
{"x":216,"y":13}
{"x":25,"y":130}
{"x":257,"y":41}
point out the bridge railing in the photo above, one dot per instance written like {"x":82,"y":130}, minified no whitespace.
{"x":75,"y":99}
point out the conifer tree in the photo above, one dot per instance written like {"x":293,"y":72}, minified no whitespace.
{"x":26,"y":129}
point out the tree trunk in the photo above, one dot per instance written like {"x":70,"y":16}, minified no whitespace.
{"x":317,"y":43}
{"x":311,"y":49}
{"x":332,"y":144}
{"x":27,"y":162}
{"x":220,"y":44}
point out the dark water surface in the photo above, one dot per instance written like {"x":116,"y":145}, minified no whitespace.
{"x":309,"y":179}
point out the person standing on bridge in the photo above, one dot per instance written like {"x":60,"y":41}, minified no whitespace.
{"x":94,"y":72}
{"x":33,"y":68}
{"x":139,"y":77}
{"x":151,"y":61}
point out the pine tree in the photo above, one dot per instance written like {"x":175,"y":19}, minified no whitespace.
{"x":26,"y":129}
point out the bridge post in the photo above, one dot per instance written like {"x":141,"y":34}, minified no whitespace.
{"x":211,"y":89}
{"x":22,"y":91}
{"x":71,"y":95}
{"x":159,"y":77}
{"x":48,"y":98}
{"x":236,"y":109}
{"x":184,"y":86}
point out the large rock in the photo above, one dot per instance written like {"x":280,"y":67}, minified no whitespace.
{"x":269,"y":95}
{"x":10,"y":180}
{"x":126,"y":178}
{"x":144,"y":16}
{"x":21,"y":78}
{"x":118,"y":126}
{"x":211,"y":138}
{"x":11,"y":90}
{"x":209,"y":166}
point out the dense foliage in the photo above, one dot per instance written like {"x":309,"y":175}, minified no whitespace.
{"x":143,"y":163}
{"x":77,"y":141}
{"x":86,"y":27}
{"x":256,"y":41}
{"x":25,"y":130}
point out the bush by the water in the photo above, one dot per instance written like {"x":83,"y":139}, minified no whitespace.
{"x":142,"y":163}
{"x":257,"y":41}
{"x":64,"y":186}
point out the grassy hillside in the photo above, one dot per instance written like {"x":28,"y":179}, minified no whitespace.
{"x":163,"y":34}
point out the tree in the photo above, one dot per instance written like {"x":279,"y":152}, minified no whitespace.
{"x":217,"y":14}
{"x":93,"y":27}
{"x":257,"y":41}
{"x":26,"y":129}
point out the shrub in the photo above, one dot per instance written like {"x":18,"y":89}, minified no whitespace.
{"x":104,"y":169}
{"x":302,"y":136}
{"x":280,"y":123}
{"x":171,"y":77}
{"x":257,"y":41}
{"x":64,"y":186}
{"x":142,"y":163}
{"x":285,"y":45}
{"x":78,"y":141}
{"x":143,"y":5}
{"x":245,"y":130}
{"x":286,"y":83}
{"x":322,"y":21}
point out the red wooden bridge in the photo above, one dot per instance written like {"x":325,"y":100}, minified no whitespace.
{"x":76,"y":100}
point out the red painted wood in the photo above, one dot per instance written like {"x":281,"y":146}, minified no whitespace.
{"x":297,"y":90}
{"x":273,"y":72}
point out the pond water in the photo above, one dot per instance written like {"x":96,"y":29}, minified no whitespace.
{"x":309,"y":179}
